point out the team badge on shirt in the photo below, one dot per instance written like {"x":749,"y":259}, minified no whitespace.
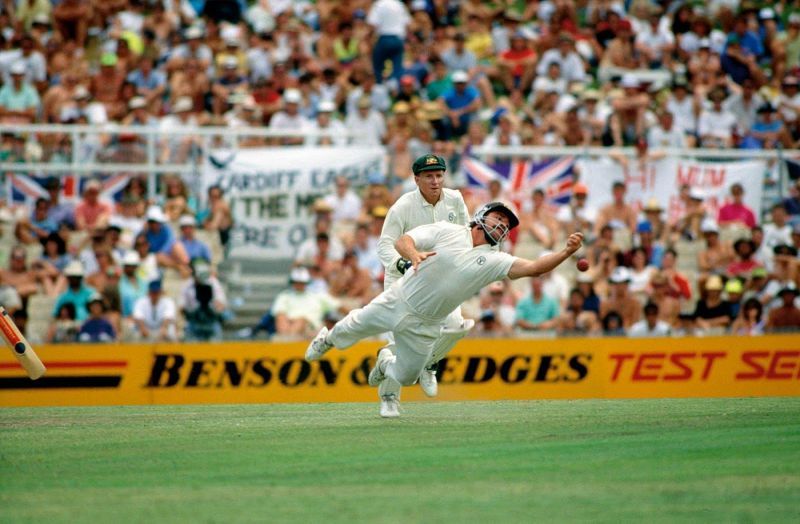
{"x":481,"y":260}
{"x":451,"y":217}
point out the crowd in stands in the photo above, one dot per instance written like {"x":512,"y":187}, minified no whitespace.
{"x":418,"y":76}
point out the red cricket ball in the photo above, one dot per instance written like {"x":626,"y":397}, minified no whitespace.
{"x":582,"y":264}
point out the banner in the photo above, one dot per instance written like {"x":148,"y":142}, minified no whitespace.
{"x":271,"y":191}
{"x":569,"y":368}
{"x":662,"y":179}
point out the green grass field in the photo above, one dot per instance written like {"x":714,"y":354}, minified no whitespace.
{"x":654,"y":460}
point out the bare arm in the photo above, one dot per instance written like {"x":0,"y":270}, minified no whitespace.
{"x":531,"y":268}
{"x":408,"y":250}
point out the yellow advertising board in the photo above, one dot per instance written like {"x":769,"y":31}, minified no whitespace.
{"x":478,"y":369}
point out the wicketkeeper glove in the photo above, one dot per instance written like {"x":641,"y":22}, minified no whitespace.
{"x":402,"y":265}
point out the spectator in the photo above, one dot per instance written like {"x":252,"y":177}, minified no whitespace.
{"x":106,"y":86}
{"x":217,"y":216}
{"x":178,"y":200}
{"x":669,"y":307}
{"x":77,"y":293}
{"x":620,"y":300}
{"x":613,"y":325}
{"x":736,"y":212}
{"x":203,"y":303}
{"x":734,"y":291}
{"x":131,"y":286}
{"x":298,"y":312}
{"x":64,"y":328}
{"x":665,"y":134}
{"x":350,"y":284}
{"x":687,"y":327}
{"x":488,"y":326}
{"x":537,"y":311}
{"x":575,"y":319}
{"x":389,"y":18}
{"x":92,"y":212}
{"x":617,"y":214}
{"x":39,"y":226}
{"x":105,"y":268}
{"x":539,"y":222}
{"x":571,"y":65}
{"x":577,"y":215}
{"x":693,"y":218}
{"x":745,"y":249}
{"x":96,"y":328}
{"x":785,"y":273}
{"x":778,"y":231}
{"x":517,"y":65}
{"x":169,"y":252}
{"x":71,"y":19}
{"x":154,"y":315}
{"x":326,"y":122}
{"x":378,"y":94}
{"x":641,"y":272}
{"x":195,"y":249}
{"x":717,"y":254}
{"x":9,"y":298}
{"x":792,"y":203}
{"x":787,"y":316}
{"x":19,"y":276}
{"x":19,"y":101}
{"x":148,"y":263}
{"x":712,"y":313}
{"x":744,"y":104}
{"x":366,"y":125}
{"x":716,"y":124}
{"x":498,"y":300}
{"x":650,"y":325}
{"x":750,"y":320}
{"x":59,"y":212}
{"x":461,"y":103}
{"x":345,"y":203}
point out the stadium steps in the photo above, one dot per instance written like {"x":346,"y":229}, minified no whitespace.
{"x":40,"y":309}
{"x":251,"y":286}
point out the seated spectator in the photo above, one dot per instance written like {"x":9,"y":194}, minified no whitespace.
{"x":613,"y":325}
{"x":58,"y":211}
{"x":366,"y":249}
{"x":734,"y":291}
{"x":148,"y":263}
{"x":367,"y":126}
{"x":716,"y":124}
{"x":653,"y":249}
{"x":620,"y":300}
{"x":195,"y":249}
{"x":575,"y":319}
{"x":488,"y":326}
{"x":345,"y":203}
{"x":290,"y":119}
{"x":96,"y":328}
{"x":744,"y":264}
{"x":717,"y":254}
{"x":678,"y":284}
{"x":297,"y":311}
{"x":686,"y":327}
{"x":106,"y":267}
{"x":784,"y":274}
{"x":351,"y":284}
{"x":692,"y":218}
{"x":591,"y":301}
{"x":131,"y":286}
{"x":106,"y":86}
{"x":792,"y":203}
{"x":19,"y":100}
{"x":787,"y":316}
{"x":778,"y":231}
{"x":650,"y":325}
{"x":9,"y":298}
{"x":77,"y":293}
{"x":461,"y":103}
{"x":39,"y":226}
{"x":321,"y":246}
{"x":92,"y":212}
{"x":203,"y":302}
{"x":25,"y":280}
{"x":711,"y":311}
{"x":665,"y":134}
{"x":669,"y":307}
{"x":617,"y":214}
{"x":327,"y":122}
{"x":65,"y":326}
{"x":768,"y":132}
{"x":169,"y":252}
{"x":577,"y":215}
{"x":154,"y":315}
{"x":178,"y":201}
{"x":217,"y":216}
{"x":750,"y":320}
{"x":499,"y":300}
{"x":736,"y":212}
{"x":641,"y":272}
{"x":537,"y":311}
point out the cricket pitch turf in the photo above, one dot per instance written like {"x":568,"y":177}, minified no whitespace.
{"x":693,"y":460}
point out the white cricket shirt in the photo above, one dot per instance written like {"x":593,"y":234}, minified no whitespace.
{"x":412,"y":210}
{"x":455,"y":273}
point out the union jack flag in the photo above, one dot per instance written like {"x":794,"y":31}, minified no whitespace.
{"x":27,"y":188}
{"x":519,"y":178}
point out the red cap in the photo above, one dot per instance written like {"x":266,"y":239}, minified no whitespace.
{"x":407,"y":80}
{"x":624,"y":25}
{"x":580,"y":187}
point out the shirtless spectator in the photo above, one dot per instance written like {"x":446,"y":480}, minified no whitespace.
{"x":92,"y":212}
{"x":71,"y":19}
{"x":617,"y":214}
{"x":717,"y":254}
{"x":620,"y":300}
{"x":217,"y":216}
{"x":669,"y":307}
{"x":106,"y":86}
{"x":787,"y":316}
{"x":19,"y":275}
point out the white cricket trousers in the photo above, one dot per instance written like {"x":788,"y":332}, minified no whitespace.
{"x":414,"y":336}
{"x":453,"y":321}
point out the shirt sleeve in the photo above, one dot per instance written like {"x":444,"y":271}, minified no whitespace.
{"x":425,"y":237}
{"x":138,"y":309}
{"x":392,"y":229}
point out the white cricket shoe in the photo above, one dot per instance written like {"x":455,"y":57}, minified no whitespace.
{"x":319,"y":346}
{"x":390,"y":405}
{"x":378,"y":373}
{"x":428,"y":382}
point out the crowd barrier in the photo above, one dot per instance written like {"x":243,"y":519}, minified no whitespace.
{"x":478,"y":369}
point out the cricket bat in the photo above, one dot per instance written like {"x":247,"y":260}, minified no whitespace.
{"x":20,"y":347}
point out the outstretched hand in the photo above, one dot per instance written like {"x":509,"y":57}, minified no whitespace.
{"x":574,"y":242}
{"x":419,"y":257}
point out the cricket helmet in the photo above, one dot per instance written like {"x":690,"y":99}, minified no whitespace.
{"x":479,"y":218}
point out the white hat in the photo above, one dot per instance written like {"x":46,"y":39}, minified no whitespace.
{"x":41,"y":18}
{"x":695,"y":193}
{"x":292,"y":96}
{"x":419,"y":5}
{"x":459,"y":77}
{"x":794,"y":18}
{"x":137,"y":102}
{"x":232,"y":41}
{"x":709,"y":225}
{"x":193,"y":32}
{"x":230,"y":62}
{"x":74,"y":269}
{"x":326,"y":106}
{"x":131,"y":258}
{"x":80,"y":93}
{"x":182,"y":104}
{"x":628,"y":80}
{"x":17,"y":68}
{"x":584,"y":278}
{"x":705,"y":42}
{"x":156,"y":214}
{"x":766,"y":13}
{"x":620,"y":275}
{"x":187,"y":220}
{"x":300,"y":274}
{"x":92,"y":184}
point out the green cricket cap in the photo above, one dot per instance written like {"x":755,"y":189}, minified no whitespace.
{"x":428,"y":163}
